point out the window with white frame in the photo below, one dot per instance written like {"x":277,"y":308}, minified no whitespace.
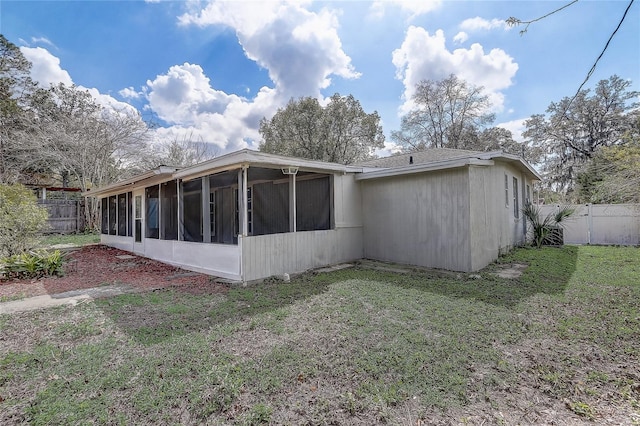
{"x":506,"y":190}
{"x":516,"y":204}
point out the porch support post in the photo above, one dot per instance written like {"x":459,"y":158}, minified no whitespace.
{"x":292,"y":203}
{"x":206,"y":218}
{"x":180,"y":223}
{"x":245,"y":201}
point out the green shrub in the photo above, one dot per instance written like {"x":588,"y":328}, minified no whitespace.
{"x":21,"y":220}
{"x":32,"y":264}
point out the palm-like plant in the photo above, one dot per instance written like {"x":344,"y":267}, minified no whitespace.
{"x":541,"y":228}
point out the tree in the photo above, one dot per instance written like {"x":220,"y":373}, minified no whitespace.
{"x":341,"y":132}
{"x":21,"y":219}
{"x":574,"y":129}
{"x":448,"y":113}
{"x":612,"y":175}
{"x":15,"y":86}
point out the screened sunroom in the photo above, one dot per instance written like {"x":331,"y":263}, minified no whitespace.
{"x":243,"y":216}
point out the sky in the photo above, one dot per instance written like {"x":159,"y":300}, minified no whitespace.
{"x":211,"y":70}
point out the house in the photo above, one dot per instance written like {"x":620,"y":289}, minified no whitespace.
{"x":249,"y":215}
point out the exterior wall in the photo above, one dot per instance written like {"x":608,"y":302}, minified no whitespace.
{"x":487,"y":211}
{"x":293,"y":252}
{"x":494,"y":227}
{"x":221,"y":260}
{"x":617,"y":224}
{"x":347,"y":201}
{"x":122,"y":243}
{"x":420,"y":219}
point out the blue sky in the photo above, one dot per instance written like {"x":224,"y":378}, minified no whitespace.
{"x":212,"y":69}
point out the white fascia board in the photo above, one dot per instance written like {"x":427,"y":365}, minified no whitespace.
{"x":514,"y":158}
{"x":250,"y":158}
{"x":160,"y":174}
{"x":427,"y":167}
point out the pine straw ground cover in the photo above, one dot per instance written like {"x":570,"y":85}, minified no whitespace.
{"x":559,"y":345}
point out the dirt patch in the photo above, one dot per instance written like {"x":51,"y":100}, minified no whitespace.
{"x":511,"y":271}
{"x":101,"y":266}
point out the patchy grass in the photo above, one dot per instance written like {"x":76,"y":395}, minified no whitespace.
{"x":355,"y":346}
{"x":75,"y":239}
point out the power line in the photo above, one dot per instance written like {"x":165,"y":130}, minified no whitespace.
{"x":593,"y":68}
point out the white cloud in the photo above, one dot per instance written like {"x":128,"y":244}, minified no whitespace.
{"x":45,"y":68}
{"x":300,"y":49}
{"x":517,"y":127}
{"x":425,"y":56}
{"x":184,"y":98}
{"x":184,"y":93}
{"x":413,"y":7}
{"x":46,"y":71}
{"x":461,"y":37}
{"x":478,"y":23}
{"x":42,"y":40}
{"x":130,"y":93}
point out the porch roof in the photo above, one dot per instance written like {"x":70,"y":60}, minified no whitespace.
{"x":231,"y":161}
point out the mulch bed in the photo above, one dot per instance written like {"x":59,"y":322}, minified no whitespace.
{"x":98,"y":265}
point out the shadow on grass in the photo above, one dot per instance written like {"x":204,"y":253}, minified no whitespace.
{"x":549,"y":271}
{"x":154,"y":316}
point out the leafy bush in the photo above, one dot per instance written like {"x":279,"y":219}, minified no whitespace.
{"x":21,"y":220}
{"x":542,"y":228}
{"x":32,"y":264}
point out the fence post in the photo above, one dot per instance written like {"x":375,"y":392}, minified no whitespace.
{"x":589,"y":222}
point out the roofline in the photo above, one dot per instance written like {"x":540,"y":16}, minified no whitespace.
{"x":248,"y":157}
{"x":515,"y":158}
{"x":424,"y":167}
{"x":233,"y":160}
{"x":158,"y":172}
{"x":479,"y":159}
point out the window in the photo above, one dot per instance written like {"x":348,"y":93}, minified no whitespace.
{"x":113,"y":207}
{"x":192,"y":210}
{"x":528,"y":194}
{"x":122,"y":215}
{"x":169,"y":210}
{"x":129,"y":214}
{"x":506,"y":190}
{"x":152,"y":198}
{"x":516,"y":204}
{"x":212,"y":213}
{"x":105,"y":216}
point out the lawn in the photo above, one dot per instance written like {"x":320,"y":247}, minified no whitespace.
{"x":558,"y":345}
{"x":75,"y":239}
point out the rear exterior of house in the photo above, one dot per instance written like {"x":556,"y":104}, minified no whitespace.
{"x":249,"y":215}
{"x":450,"y":209}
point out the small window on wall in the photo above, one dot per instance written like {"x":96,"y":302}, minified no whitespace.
{"x":105,"y":215}
{"x":528,"y":194}
{"x":516,"y":204}
{"x":506,"y":190}
{"x":152,"y":204}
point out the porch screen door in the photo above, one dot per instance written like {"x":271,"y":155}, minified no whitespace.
{"x":138,"y":218}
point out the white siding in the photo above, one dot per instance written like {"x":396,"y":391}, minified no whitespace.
{"x":494,"y":227}
{"x":123,"y":243}
{"x":220,"y":260}
{"x":276,"y":254}
{"x":420,"y":219}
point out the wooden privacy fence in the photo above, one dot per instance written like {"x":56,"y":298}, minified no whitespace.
{"x":607,"y":224}
{"x":65,"y":216}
